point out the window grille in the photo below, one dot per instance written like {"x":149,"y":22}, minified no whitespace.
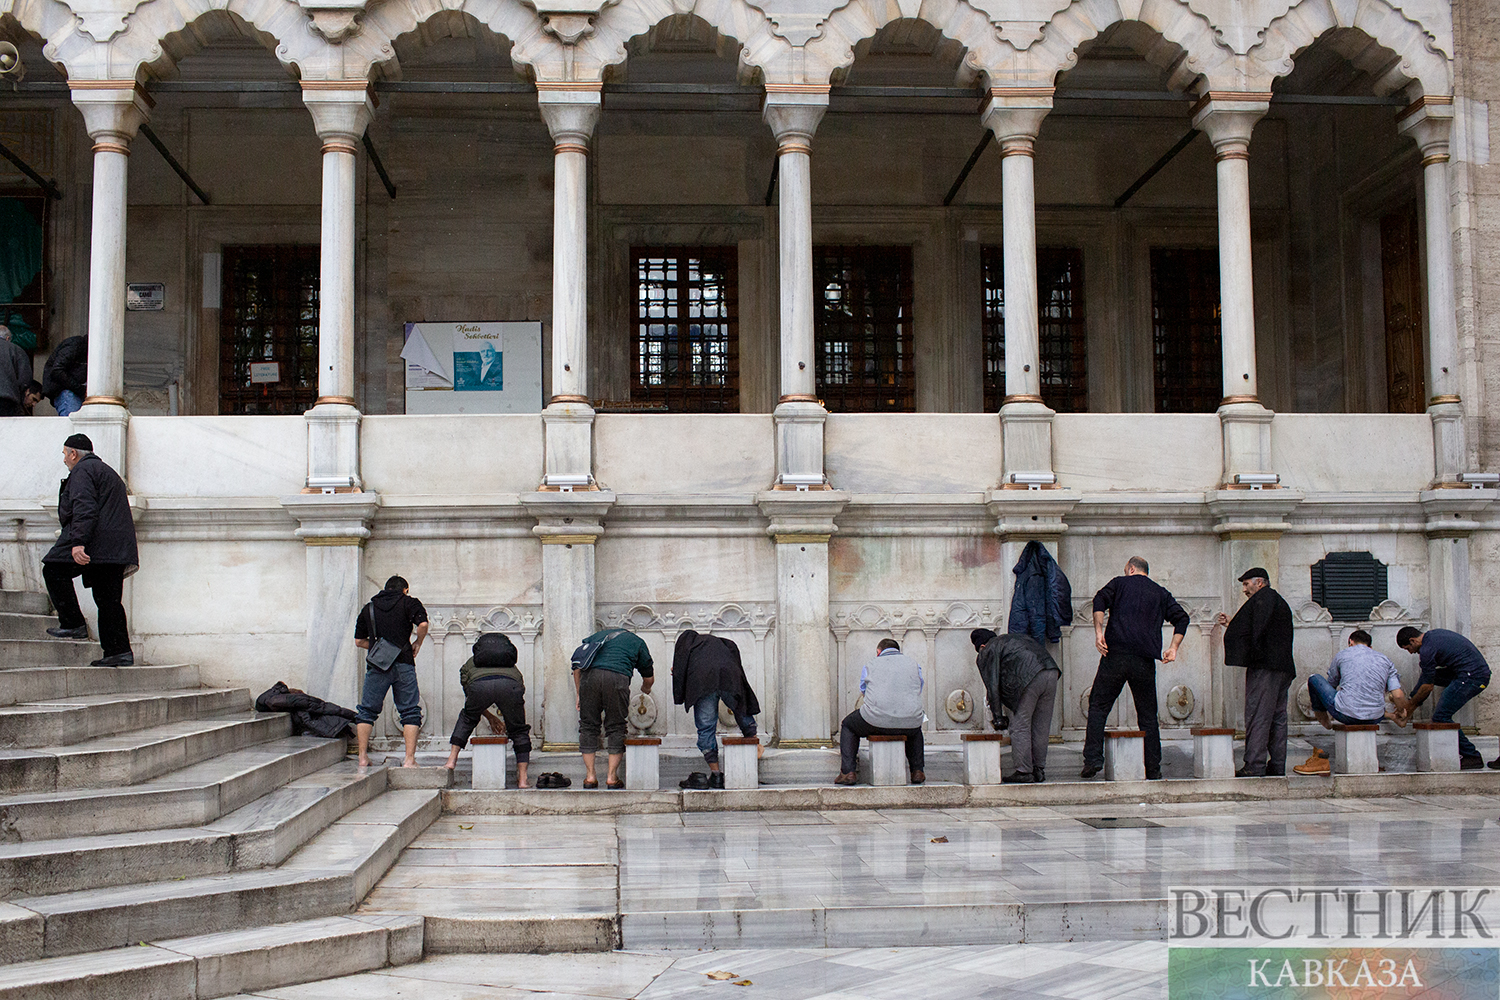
{"x":863,"y":328}
{"x":1349,"y":585}
{"x":1185,"y":329}
{"x":1064,"y":332}
{"x":269,"y":314}
{"x":27,"y":209}
{"x":685,"y":335}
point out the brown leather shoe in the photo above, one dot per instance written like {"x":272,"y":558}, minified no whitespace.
{"x":845,"y":779}
{"x":917,"y":777}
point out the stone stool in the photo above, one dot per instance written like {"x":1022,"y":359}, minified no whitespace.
{"x":1213,"y":753}
{"x":489,"y":761}
{"x":888,"y":760}
{"x":1354,"y":749}
{"x":982,"y":764}
{"x":1125,"y":755}
{"x":642,"y":763}
{"x":1437,"y":746}
{"x":741,"y":761}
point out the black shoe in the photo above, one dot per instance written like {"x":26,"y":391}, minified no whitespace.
{"x":918,"y":777}
{"x":1017,"y":778}
{"x":1039,"y":775}
{"x":697,"y":780}
{"x":715,"y":779}
{"x":1474,"y":763}
{"x":1089,"y":770}
{"x":1153,"y":776}
{"x":545,"y":781}
{"x":561,"y":780}
{"x":1494,"y":764}
{"x":118,"y":660}
{"x":1245,"y":772}
{"x":81,"y":632}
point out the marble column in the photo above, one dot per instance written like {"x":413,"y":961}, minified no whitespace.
{"x":1452,"y":516}
{"x":568,"y":525}
{"x":334,"y":529}
{"x":1015,"y":116}
{"x":793,"y":113}
{"x":341,"y":110}
{"x":571,"y":110}
{"x":113,"y":112}
{"x":806,"y":665}
{"x":1228,"y":119}
{"x":1429,"y":122}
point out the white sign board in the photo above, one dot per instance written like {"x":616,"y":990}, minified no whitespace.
{"x":473,"y":367}
{"x":265,"y":371}
{"x":145,"y":296}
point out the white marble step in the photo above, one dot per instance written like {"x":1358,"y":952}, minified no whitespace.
{"x":24,"y":602}
{"x":16,"y":654}
{"x":86,"y":717}
{"x":193,"y":796}
{"x":41,"y":683}
{"x":130,"y":758}
{"x":262,"y":833}
{"x":327,"y":877}
{"x":15,"y":625}
{"x":217,"y":965}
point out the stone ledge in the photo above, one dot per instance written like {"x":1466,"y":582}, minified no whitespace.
{"x":528,"y":935}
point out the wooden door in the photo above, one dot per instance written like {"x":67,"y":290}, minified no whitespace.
{"x":1401,"y":266}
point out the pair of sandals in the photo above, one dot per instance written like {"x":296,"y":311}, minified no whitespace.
{"x":553,"y":780}
{"x":699,"y":780}
{"x":612,"y":785}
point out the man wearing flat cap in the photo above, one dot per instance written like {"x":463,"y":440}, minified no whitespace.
{"x":97,"y":542}
{"x":1259,"y":638}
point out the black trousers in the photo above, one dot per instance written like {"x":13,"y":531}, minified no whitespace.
{"x":1265,"y":720}
{"x":507,"y":696}
{"x":1115,"y":671}
{"x":107,"y":582}
{"x":855,"y":727}
{"x":603,"y":694}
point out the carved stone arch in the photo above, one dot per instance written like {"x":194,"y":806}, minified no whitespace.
{"x":158,"y":32}
{"x":1416,"y":61}
{"x":762,"y":51}
{"x":833,"y":50}
{"x":531,"y":45}
{"x":1190,"y":53}
{"x":54,"y":25}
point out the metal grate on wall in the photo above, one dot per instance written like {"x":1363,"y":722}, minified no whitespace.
{"x":685,"y":334}
{"x":863,"y":328}
{"x":1063,"y":329}
{"x":269,"y":317}
{"x":1349,"y":585}
{"x":1188,"y":365}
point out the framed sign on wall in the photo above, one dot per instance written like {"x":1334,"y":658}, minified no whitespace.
{"x":473,"y":367}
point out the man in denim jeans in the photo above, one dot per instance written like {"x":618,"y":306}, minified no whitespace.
{"x":1353,"y":693}
{"x":393,"y":613}
{"x":1454,"y":663}
{"x":706,"y":669}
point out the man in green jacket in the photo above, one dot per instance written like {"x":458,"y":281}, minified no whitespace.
{"x":604,"y":692}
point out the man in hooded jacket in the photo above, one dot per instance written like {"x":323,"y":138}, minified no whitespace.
{"x":706,"y":669}
{"x":1020,"y":676}
{"x":1259,"y":638}
{"x":97,"y":542}
{"x":391,"y":615}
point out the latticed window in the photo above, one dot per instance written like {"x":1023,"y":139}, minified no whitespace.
{"x":685,"y":336}
{"x":268,"y":330}
{"x":1185,"y":329}
{"x":1064,"y":333}
{"x":863,"y":328}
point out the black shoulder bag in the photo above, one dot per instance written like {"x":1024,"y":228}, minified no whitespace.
{"x":382,"y":653}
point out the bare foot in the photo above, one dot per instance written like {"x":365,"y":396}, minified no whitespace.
{"x":760,"y":751}
{"x":518,"y":785}
{"x":450,"y":766}
{"x":409,"y":762}
{"x":364,"y":762}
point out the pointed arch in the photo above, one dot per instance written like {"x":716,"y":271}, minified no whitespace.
{"x":1416,"y":60}
{"x":761,"y":49}
{"x":833,"y":50}
{"x":510,"y":19}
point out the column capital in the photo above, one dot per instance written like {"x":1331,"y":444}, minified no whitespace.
{"x":793,"y":111}
{"x":571,"y":110}
{"x":341,"y":111}
{"x":1429,"y":121}
{"x":1014,"y":115}
{"x":568,"y":518}
{"x":332,"y":518}
{"x":1228,"y":117}
{"x":113,"y":110}
{"x":801,"y":518}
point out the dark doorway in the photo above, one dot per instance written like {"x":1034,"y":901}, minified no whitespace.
{"x":1401,"y":270}
{"x":268,"y":330}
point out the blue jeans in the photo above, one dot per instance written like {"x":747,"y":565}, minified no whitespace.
{"x":1320,"y":692}
{"x":1454,"y":697}
{"x":66,"y":403}
{"x":706,"y":718}
{"x":402,"y":679}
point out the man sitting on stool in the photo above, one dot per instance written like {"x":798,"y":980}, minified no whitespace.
{"x":892,"y":686}
{"x":1353,"y":693}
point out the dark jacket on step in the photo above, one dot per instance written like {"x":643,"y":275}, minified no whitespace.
{"x":95,"y":513}
{"x":1043,"y":600}
{"x":1007,"y":665}
{"x":705,"y":664}
{"x":1260,"y":634}
{"x":67,"y":367}
{"x":309,"y":715}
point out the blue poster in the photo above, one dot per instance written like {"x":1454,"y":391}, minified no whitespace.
{"x":481,"y":370}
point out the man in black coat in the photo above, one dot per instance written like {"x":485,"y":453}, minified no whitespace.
{"x":65,"y":375}
{"x":97,"y":543}
{"x":706,"y":669}
{"x":1021,"y":677}
{"x":1259,"y":638}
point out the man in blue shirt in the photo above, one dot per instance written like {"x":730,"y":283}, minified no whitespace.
{"x":1455,"y":664}
{"x":1129,"y":648}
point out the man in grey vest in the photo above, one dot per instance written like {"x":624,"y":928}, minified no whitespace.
{"x":892,"y":687}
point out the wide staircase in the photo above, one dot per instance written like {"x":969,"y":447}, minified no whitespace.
{"x":161,"y":840}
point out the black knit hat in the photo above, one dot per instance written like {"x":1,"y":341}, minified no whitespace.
{"x":79,"y":442}
{"x":980,"y":636}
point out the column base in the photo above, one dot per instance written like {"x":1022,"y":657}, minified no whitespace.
{"x":568,"y":448}
{"x":107,"y":425}
{"x":1450,"y":449}
{"x":1246,"y":429}
{"x":799,"y":446}
{"x":333,"y":448}
{"x":1026,"y":445}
